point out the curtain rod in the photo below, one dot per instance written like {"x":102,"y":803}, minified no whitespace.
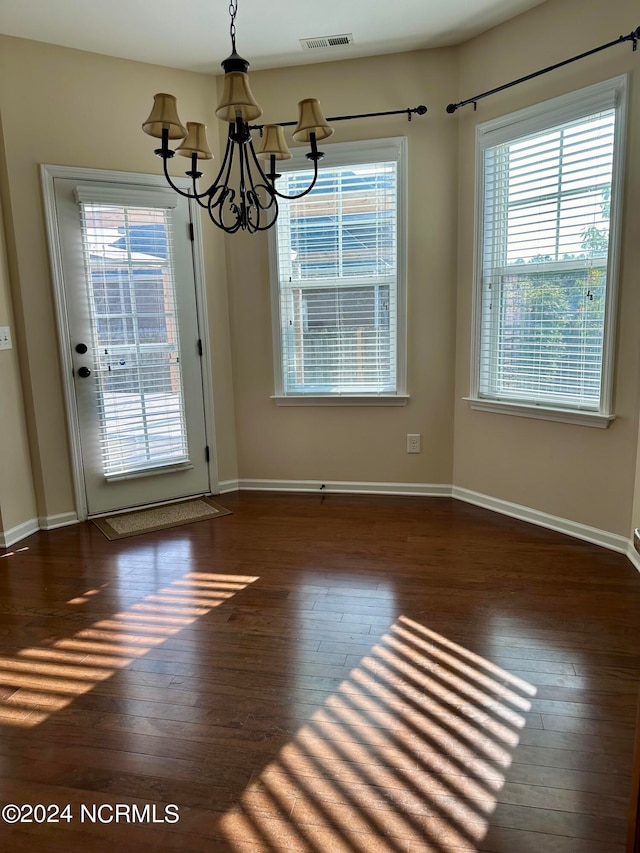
{"x":409,"y":111}
{"x":632,"y":37}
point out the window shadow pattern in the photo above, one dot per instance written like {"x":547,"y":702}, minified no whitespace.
{"x":408,"y":754}
{"x":43,"y":679}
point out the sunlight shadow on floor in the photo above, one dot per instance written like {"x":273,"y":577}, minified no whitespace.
{"x":44,"y":679}
{"x":409,"y":754}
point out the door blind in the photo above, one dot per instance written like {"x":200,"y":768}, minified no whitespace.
{"x":128,"y":255}
{"x":337,"y":273}
{"x":545,"y":247}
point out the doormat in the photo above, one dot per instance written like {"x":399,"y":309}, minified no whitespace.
{"x":135,"y":523}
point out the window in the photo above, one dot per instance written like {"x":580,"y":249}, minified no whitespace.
{"x":338,"y":278}
{"x":130,"y":275}
{"x":548,"y":203}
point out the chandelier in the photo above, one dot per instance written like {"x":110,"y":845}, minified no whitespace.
{"x":243,"y":195}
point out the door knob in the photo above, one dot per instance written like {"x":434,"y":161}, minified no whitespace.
{"x":81,"y":348}
{"x":84,"y":372}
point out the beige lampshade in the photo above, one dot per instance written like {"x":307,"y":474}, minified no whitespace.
{"x":196,"y":142}
{"x":237,"y":99}
{"x":311,"y":120}
{"x":164,"y":114}
{"x":273,"y":143}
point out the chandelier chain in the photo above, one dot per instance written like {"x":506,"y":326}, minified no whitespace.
{"x":233,"y":11}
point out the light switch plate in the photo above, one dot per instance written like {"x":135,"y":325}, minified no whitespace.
{"x":5,"y":337}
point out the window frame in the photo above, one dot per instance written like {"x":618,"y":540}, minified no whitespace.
{"x":340,"y":154}
{"x":509,"y":128}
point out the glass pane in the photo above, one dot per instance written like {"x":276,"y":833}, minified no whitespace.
{"x":347,"y":226}
{"x":546,"y":241}
{"x":548,"y":343}
{"x":131,"y":282}
{"x":337,"y":257}
{"x":344,"y":337}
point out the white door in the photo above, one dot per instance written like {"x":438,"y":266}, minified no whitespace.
{"x":132,"y":330}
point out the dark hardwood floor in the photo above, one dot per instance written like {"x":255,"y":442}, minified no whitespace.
{"x":318,"y":674}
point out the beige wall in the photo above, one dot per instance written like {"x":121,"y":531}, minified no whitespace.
{"x":349,"y":443}
{"x":67,"y":107}
{"x":72,"y":108}
{"x":575,"y":472}
{"x":17,"y":499}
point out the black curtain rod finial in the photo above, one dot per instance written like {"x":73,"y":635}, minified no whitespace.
{"x":421,"y":110}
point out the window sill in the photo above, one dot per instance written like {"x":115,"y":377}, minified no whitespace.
{"x":545,"y":413}
{"x":341,"y":400}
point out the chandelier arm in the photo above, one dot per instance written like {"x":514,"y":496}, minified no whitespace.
{"x":198,"y":196}
{"x":304,"y":192}
{"x":165,"y":153}
{"x":245,"y":196}
{"x":265,"y":178}
{"x":266,"y":205}
{"x":217,"y":221}
{"x":214,"y":205}
{"x":270,"y":185}
{"x":257,"y":206}
{"x":220,"y":193}
{"x":219,"y":190}
{"x":185,"y":194}
{"x":216,"y":201}
{"x":227,"y":162}
{"x":264,"y":182}
{"x":262,"y":210}
{"x":194,"y":174}
{"x":253,"y":213}
{"x":271,"y":220}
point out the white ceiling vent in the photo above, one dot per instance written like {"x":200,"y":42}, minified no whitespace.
{"x":327,"y":41}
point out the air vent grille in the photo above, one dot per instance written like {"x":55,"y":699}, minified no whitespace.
{"x":327,"y":41}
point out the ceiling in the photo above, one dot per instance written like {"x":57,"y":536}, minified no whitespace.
{"x":194,"y":35}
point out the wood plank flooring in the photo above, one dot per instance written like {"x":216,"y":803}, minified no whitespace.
{"x":324,"y":674}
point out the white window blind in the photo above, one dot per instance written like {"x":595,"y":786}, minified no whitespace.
{"x":338,"y":279}
{"x":128,"y":254}
{"x":545,"y":257}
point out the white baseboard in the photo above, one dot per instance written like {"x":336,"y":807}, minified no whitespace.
{"x":64,"y":519}
{"x":346,"y":487}
{"x":33,"y":525}
{"x":633,"y":556}
{"x":612,"y":541}
{"x":20,"y":531}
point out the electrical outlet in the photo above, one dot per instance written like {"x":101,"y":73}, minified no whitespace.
{"x":413,"y":443}
{"x":5,"y":337}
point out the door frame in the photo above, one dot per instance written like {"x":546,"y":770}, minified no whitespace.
{"x":48,"y":174}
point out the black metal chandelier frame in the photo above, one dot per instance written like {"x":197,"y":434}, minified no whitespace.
{"x":254,"y":207}
{"x":243,"y":195}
